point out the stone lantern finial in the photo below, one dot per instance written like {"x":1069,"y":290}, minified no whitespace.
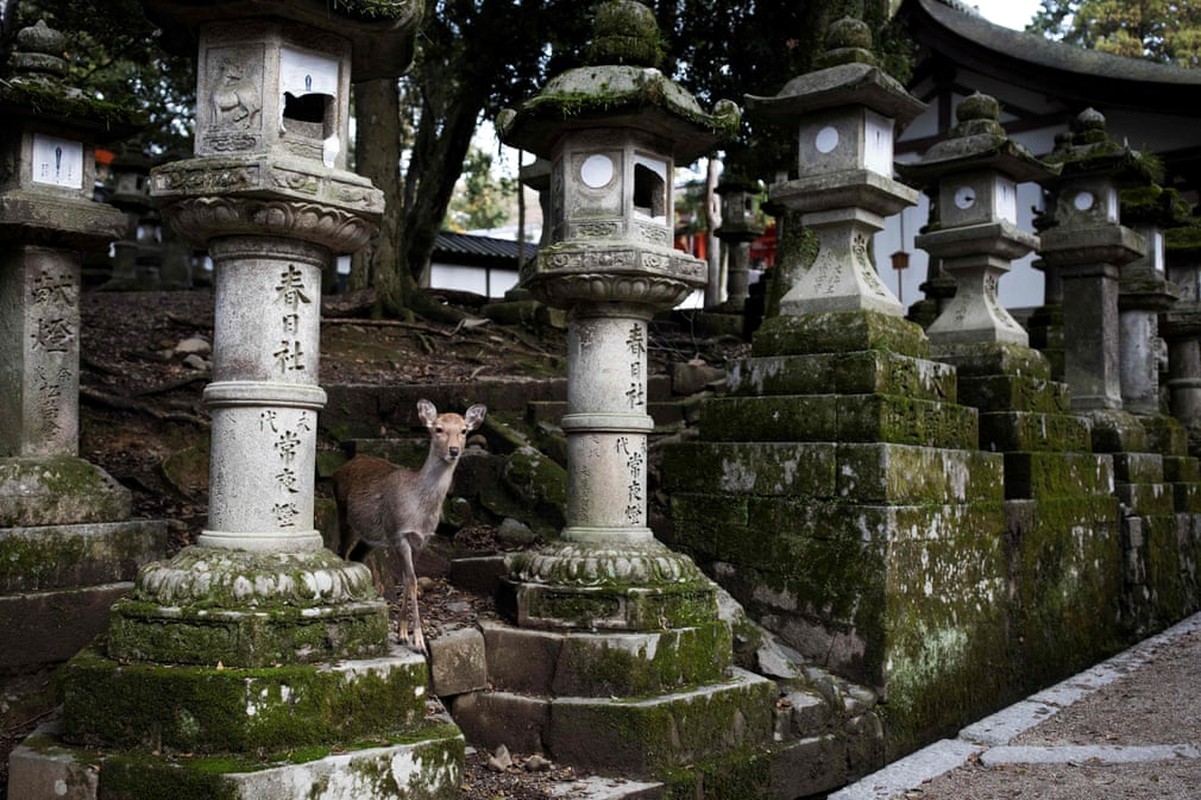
{"x":625,"y":32}
{"x":848,"y":41}
{"x":38,"y":54}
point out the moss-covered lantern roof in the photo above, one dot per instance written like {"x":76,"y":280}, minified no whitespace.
{"x":1088,"y":149}
{"x":847,"y":75}
{"x":34,"y":87}
{"x":620,"y":86}
{"x":978,"y":141}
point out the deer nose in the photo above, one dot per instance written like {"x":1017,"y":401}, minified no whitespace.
{"x":453,"y":452}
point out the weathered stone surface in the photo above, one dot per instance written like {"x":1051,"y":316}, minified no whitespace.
{"x":1138,"y":467}
{"x":809,"y":766}
{"x":42,"y":558}
{"x":490,"y":719}
{"x":479,"y":574}
{"x":862,"y":372}
{"x":1055,"y":475}
{"x":217,"y":709}
{"x":41,"y":769}
{"x":59,"y":490}
{"x":1116,"y":431}
{"x":643,"y":736}
{"x":1010,"y":431}
{"x":49,"y":627}
{"x":457,"y":662}
{"x":761,"y":468}
{"x":903,"y":474}
{"x":840,"y":332}
{"x":1019,"y":392}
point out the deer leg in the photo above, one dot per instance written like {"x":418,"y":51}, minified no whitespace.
{"x":409,"y":587}
{"x":402,"y":622}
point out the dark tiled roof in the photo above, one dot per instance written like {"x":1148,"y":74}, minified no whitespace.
{"x":1077,"y":75}
{"x":470,"y":248}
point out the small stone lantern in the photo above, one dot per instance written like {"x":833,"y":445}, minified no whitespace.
{"x":1086,"y":245}
{"x":47,"y":219}
{"x":972,"y":176}
{"x":613,"y":132}
{"x":846,"y":114}
{"x":1144,"y":293}
{"x":740,"y":224}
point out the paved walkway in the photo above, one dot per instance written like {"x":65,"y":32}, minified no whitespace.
{"x":1127,"y":729}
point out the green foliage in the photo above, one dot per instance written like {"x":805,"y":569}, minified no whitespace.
{"x":482,"y":200}
{"x":1167,"y":31}
{"x":114,"y":54}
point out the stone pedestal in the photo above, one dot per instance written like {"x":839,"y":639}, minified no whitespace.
{"x":66,"y":542}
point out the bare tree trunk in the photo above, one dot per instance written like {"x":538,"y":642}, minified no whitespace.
{"x":377,"y":156}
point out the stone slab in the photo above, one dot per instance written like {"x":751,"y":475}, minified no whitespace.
{"x":49,"y":627}
{"x":1138,"y":467}
{"x":913,"y":770}
{"x":58,"y":556}
{"x":490,"y":719}
{"x":428,"y":766}
{"x":1009,"y":431}
{"x":597,"y":788}
{"x":59,"y":490}
{"x":761,"y":468}
{"x":864,"y":372}
{"x":645,"y":736}
{"x":1181,"y":469}
{"x":808,"y":766}
{"x":1091,"y":754}
{"x":1014,"y":393}
{"x":219,"y":709}
{"x":457,"y":662}
{"x":478,"y":574}
{"x":903,"y":474}
{"x":1055,"y":475}
{"x":840,"y":332}
{"x":605,"y":664}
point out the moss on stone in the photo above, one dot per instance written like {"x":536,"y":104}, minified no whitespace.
{"x":744,"y":774}
{"x":840,"y":332}
{"x":211,"y":709}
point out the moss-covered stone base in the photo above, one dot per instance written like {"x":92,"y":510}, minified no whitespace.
{"x":194,"y":709}
{"x":840,"y":332}
{"x":59,"y":490}
{"x":423,"y":763}
{"x":605,"y":664}
{"x":55,"y":556}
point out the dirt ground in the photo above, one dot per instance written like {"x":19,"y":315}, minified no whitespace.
{"x":140,"y":403}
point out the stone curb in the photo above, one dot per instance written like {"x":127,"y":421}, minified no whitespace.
{"x":989,"y":738}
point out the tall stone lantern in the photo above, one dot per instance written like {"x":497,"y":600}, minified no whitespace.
{"x":1086,"y":245}
{"x":846,"y":114}
{"x":613,"y":132}
{"x":972,"y":176}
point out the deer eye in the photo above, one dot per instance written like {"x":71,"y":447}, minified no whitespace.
{"x":438,"y":429}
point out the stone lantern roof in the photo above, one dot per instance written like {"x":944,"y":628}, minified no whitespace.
{"x":381,"y":32}
{"x":1088,"y":149}
{"x":34,"y":86}
{"x":978,"y":141}
{"x":621,"y":86}
{"x":847,"y":75}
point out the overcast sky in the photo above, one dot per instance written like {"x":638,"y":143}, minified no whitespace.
{"x":1014,"y":14}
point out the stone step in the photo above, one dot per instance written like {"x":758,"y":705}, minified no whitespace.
{"x":1026,"y":431}
{"x":876,"y":473}
{"x":69,"y":556}
{"x":1015,"y":393}
{"x":1057,"y":475}
{"x":427,"y":763}
{"x":631,"y":736}
{"x":1138,"y":467}
{"x":840,"y":332}
{"x":48,"y":627}
{"x":214,"y":709}
{"x":595,"y":787}
{"x":862,"y":372}
{"x":604,"y":664}
{"x":840,"y":418}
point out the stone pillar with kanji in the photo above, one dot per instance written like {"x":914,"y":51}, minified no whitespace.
{"x":68,"y":547}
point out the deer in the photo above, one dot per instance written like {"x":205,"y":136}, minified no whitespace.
{"x":383,"y":505}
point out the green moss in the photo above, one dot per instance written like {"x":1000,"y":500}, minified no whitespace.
{"x":209,"y":709}
{"x":744,"y":774}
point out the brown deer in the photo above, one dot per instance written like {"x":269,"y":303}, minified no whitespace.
{"x":383,"y":505}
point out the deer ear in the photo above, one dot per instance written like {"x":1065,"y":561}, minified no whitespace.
{"x":475,"y":415}
{"x":426,"y":412}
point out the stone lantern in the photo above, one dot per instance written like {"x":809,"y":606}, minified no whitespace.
{"x":67,"y":543}
{"x":1144,"y":292}
{"x":613,"y":132}
{"x":131,"y":169}
{"x":846,"y":115}
{"x":972,"y":176}
{"x":1086,"y":245}
{"x":1181,"y":328}
{"x":740,"y":224}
